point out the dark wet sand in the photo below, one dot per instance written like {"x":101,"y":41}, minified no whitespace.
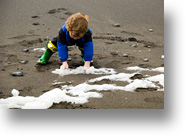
{"x":29,"y":24}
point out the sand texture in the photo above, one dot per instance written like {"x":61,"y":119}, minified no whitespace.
{"x":133,"y":27}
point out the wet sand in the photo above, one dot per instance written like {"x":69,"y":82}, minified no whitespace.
{"x":29,"y":24}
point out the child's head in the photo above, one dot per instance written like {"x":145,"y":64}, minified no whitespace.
{"x":77,"y":25}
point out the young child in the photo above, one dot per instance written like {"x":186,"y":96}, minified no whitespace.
{"x":74,"y":32}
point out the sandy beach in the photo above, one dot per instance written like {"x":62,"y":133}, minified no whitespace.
{"x":29,"y":24}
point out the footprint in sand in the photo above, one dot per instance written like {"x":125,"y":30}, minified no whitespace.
{"x":34,"y":16}
{"x":147,"y":44}
{"x":111,"y":38}
{"x":62,"y":9}
{"x":144,"y":65}
{"x":31,"y":32}
{"x":68,"y":13}
{"x":53,"y":11}
{"x":62,"y":18}
{"x":131,"y":33}
{"x":12,"y":58}
{"x":41,"y":68}
{"x":113,"y":64}
{"x":36,"y":23}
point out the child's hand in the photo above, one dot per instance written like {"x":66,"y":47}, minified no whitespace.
{"x":64,"y":65}
{"x":87,"y":64}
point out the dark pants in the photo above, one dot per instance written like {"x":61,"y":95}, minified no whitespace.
{"x":53,"y":47}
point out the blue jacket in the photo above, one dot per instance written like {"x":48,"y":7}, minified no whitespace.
{"x":64,"y":40}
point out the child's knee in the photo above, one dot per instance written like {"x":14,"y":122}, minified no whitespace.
{"x":52,"y":47}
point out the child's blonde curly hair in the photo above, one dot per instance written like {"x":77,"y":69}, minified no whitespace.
{"x":77,"y":24}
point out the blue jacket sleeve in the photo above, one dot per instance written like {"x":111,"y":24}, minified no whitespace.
{"x":88,"y":51}
{"x":62,"y":51}
{"x":62,"y":45}
{"x":88,"y":46}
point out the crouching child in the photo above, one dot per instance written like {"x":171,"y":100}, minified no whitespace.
{"x":74,"y":32}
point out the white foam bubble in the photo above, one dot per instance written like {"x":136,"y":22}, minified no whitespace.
{"x":15,"y":92}
{"x":140,"y":84}
{"x":80,"y":94}
{"x":82,"y":70}
{"x":159,"y":69}
{"x":157,"y":78}
{"x":136,"y":68}
{"x":39,"y":49}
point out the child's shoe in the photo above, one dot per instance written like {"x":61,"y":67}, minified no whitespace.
{"x":45,"y":57}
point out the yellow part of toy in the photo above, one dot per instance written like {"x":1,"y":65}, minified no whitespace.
{"x":52,"y":47}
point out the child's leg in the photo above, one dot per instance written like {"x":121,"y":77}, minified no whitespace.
{"x":81,"y":48}
{"x":51,"y":48}
{"x":82,"y":53}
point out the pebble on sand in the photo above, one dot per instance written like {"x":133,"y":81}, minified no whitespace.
{"x":145,"y":60}
{"x":69,"y":59}
{"x":114,"y":53}
{"x":132,"y":39}
{"x":25,"y":50}
{"x":125,"y":55}
{"x":134,"y":45}
{"x":148,"y":46}
{"x":151,"y":30}
{"x":116,"y":25}
{"x":17,"y":74}
{"x":23,"y":62}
